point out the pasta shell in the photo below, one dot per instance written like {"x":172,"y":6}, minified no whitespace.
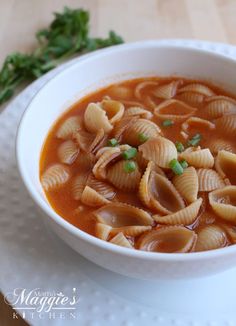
{"x":98,"y":141}
{"x":124,"y":147}
{"x":220,"y":97}
{"x":203,"y":207}
{"x":230,"y":231}
{"x":191,"y":98}
{"x":85,"y":161}
{"x":119,"y":215}
{"x":120,"y":92}
{"x":141,"y":161}
{"x":103,"y":188}
{"x":102,"y":151}
{"x":78,"y":185}
{"x":216,"y":145}
{"x":139,"y":112}
{"x":190,"y":150}
{"x":67,"y":152}
{"x":122,"y":180}
{"x":166,"y":91}
{"x":164,"y":198}
{"x":103,"y":115}
{"x":197,"y":88}
{"x":187,"y":184}
{"x":55,"y":176}
{"x":185,"y":216}
{"x":132,"y":231}
{"x":128,"y":104}
{"x":225,"y":165}
{"x":170,"y":239}
{"x":91,"y":197}
{"x":102,"y":231}
{"x":197,"y":124}
{"x":210,"y":237}
{"x":114,"y":110}
{"x":121,"y":240}
{"x":209,"y":180}
{"x":95,"y":118}
{"x":174,"y":110}
{"x":141,"y":86}
{"x":156,"y":191}
{"x":144,"y":193}
{"x":141,"y":126}
{"x":69,"y":127}
{"x":158,"y":170}
{"x":198,"y":158}
{"x":223,"y":203}
{"x":159,"y":150}
{"x":107,"y":149}
{"x":84,"y":139}
{"x":227,"y":123}
{"x":217,"y":106}
{"x":122,"y":125}
{"x":89,"y":142}
{"x":100,"y":168}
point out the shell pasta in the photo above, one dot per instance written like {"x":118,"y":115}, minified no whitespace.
{"x":147,"y":164}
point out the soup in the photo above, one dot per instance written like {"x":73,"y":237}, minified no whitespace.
{"x":147,"y":164}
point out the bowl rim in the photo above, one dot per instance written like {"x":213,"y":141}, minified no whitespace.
{"x":75,"y":231}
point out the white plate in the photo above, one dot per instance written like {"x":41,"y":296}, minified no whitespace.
{"x":31,"y":257}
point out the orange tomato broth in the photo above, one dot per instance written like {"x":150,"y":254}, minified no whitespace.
{"x":61,"y":199}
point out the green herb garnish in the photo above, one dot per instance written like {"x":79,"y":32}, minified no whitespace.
{"x":112,"y":142}
{"x":142,"y":137}
{"x":179,"y":146}
{"x":130,"y":153}
{"x":167,"y":123}
{"x":176,"y":167}
{"x":67,"y":35}
{"x":184,"y":164}
{"x":129,"y":166}
{"x":195,"y":140}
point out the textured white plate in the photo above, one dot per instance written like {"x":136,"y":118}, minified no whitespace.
{"x":31,"y":257}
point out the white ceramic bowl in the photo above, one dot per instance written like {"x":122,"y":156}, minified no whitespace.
{"x":89,"y":73}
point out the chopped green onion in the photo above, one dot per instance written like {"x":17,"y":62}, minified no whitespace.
{"x":142,"y":137}
{"x":197,"y":136}
{"x":184,"y":164}
{"x":129,"y":166}
{"x":176,"y":167}
{"x":194,"y":141}
{"x":179,"y":146}
{"x":112,"y":142}
{"x":167,"y":123}
{"x":130,"y":153}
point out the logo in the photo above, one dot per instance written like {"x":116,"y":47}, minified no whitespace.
{"x":37,"y":303}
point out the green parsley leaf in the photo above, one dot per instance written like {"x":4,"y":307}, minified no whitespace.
{"x":67,"y":35}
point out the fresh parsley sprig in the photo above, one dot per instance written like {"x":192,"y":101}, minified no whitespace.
{"x":67,"y":35}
